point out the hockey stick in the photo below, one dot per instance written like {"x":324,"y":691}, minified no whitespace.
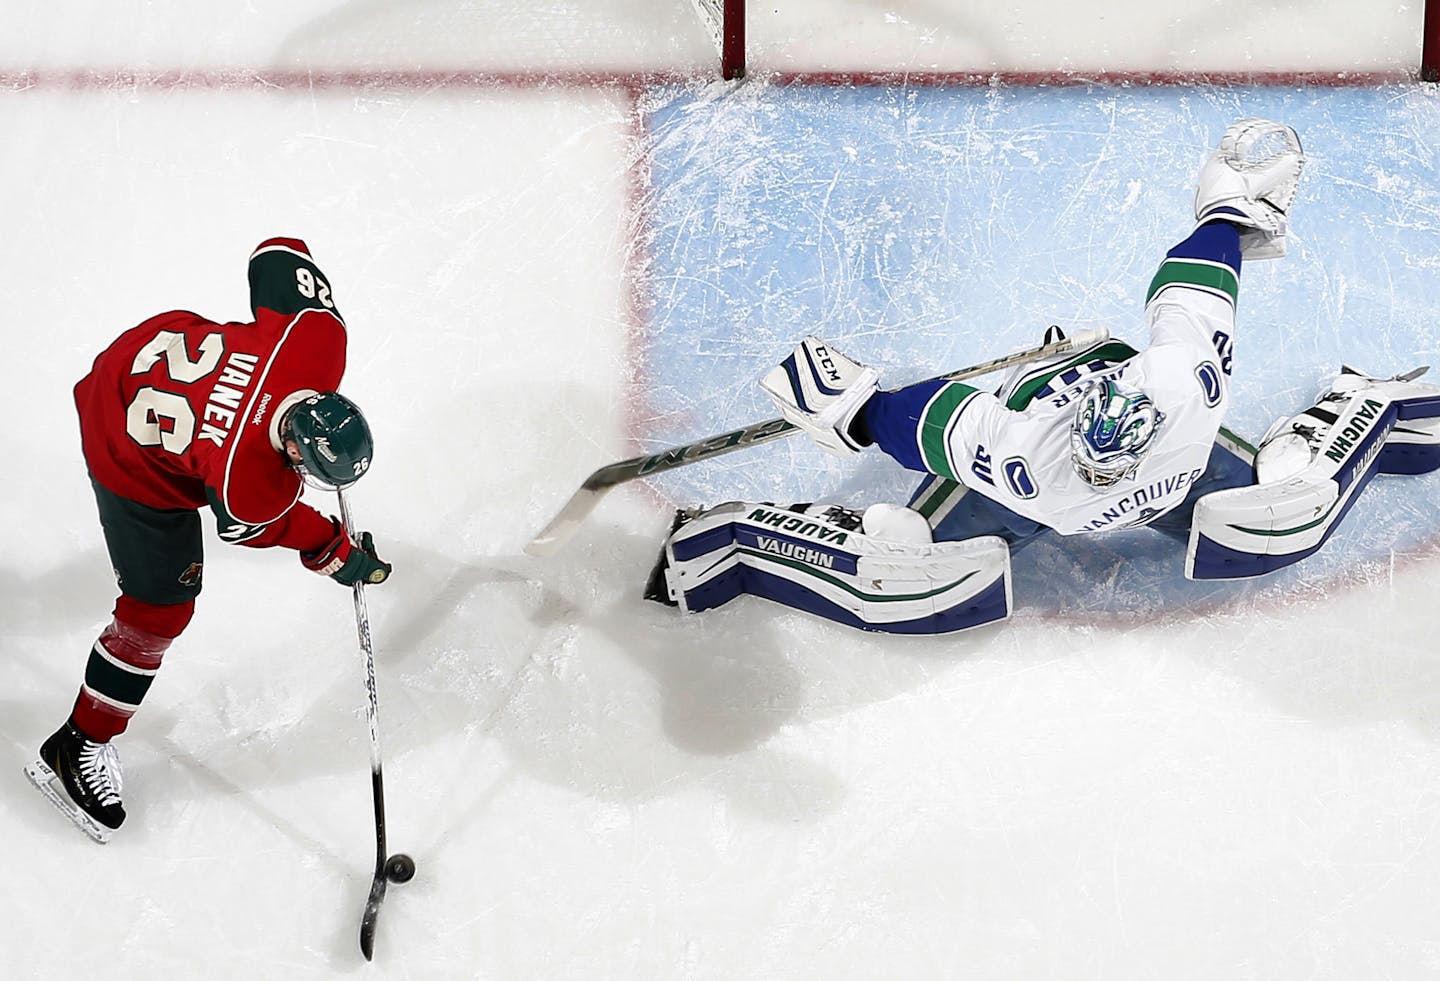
{"x":397,"y":868}
{"x":564,"y":525}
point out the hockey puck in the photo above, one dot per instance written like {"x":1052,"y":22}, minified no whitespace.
{"x":399,"y":868}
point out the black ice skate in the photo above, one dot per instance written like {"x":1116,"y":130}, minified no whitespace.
{"x":82,"y":778}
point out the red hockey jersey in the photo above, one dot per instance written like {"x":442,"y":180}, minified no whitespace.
{"x":181,"y":412}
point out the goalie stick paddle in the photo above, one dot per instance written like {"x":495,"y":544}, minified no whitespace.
{"x":564,"y":525}
{"x":388,"y":868}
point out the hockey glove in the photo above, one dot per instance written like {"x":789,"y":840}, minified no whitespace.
{"x":347,"y":561}
{"x":821,"y":391}
{"x":1250,"y":181}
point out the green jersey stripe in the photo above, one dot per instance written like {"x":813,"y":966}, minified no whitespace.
{"x":935,"y":422}
{"x":1212,"y":277}
{"x":936,"y":493}
{"x":1114,"y":352}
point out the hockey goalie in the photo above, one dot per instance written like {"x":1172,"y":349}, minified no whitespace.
{"x":1098,"y":439}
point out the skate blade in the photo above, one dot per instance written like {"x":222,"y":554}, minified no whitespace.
{"x":44,"y":780}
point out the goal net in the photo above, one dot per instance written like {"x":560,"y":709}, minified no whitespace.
{"x":725,"y":22}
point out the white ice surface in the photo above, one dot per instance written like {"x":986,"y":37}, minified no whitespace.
{"x":593,"y":787}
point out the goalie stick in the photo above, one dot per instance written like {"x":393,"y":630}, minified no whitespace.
{"x":564,"y":525}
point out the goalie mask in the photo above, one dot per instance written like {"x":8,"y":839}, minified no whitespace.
{"x":331,"y":437}
{"x":1113,"y":428}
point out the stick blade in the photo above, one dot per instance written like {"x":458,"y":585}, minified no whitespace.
{"x":372,"y":914}
{"x":563,"y":526}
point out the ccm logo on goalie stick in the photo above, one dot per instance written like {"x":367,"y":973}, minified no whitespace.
{"x":698,"y":451}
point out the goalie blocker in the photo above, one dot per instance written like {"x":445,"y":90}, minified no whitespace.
{"x":1310,"y":470}
{"x":817,"y":559}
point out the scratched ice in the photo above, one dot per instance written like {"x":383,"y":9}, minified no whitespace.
{"x":1138,"y":777}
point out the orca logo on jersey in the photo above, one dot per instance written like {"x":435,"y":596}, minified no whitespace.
{"x":226,"y":396}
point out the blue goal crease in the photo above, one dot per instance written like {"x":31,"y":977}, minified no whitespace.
{"x":923,"y":229}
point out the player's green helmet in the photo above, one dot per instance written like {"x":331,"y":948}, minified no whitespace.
{"x":332,"y":437}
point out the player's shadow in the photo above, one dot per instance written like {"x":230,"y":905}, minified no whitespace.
{"x":78,"y":596}
{"x":569,"y":706}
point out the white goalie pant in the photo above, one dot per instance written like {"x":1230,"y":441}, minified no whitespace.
{"x":808,"y":563}
{"x":1311,"y":470}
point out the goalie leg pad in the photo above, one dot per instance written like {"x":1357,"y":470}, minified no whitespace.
{"x":1312,"y":469}
{"x":1414,"y":443}
{"x":810,"y":563}
{"x":957,"y":513}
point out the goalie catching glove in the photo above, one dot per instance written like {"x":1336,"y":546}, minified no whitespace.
{"x":348,"y":561}
{"x":821,"y":391}
{"x":1250,"y":180}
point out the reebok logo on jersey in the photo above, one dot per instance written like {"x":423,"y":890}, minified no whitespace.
{"x":260,"y":410}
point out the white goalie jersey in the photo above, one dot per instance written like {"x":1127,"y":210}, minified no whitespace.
{"x":1014,"y":446}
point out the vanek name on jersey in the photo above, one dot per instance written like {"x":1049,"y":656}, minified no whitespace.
{"x":223,"y":403}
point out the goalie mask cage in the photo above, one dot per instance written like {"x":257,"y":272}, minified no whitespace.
{"x":724,"y":20}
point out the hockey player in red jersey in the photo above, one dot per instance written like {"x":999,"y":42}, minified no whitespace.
{"x":181,"y":413}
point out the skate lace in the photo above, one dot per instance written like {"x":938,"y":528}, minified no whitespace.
{"x":100,"y":767}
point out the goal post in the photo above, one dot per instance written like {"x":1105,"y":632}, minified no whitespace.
{"x":724,"y":20}
{"x":1430,"y":48}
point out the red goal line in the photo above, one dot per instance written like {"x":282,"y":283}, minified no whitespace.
{"x":433,"y":79}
